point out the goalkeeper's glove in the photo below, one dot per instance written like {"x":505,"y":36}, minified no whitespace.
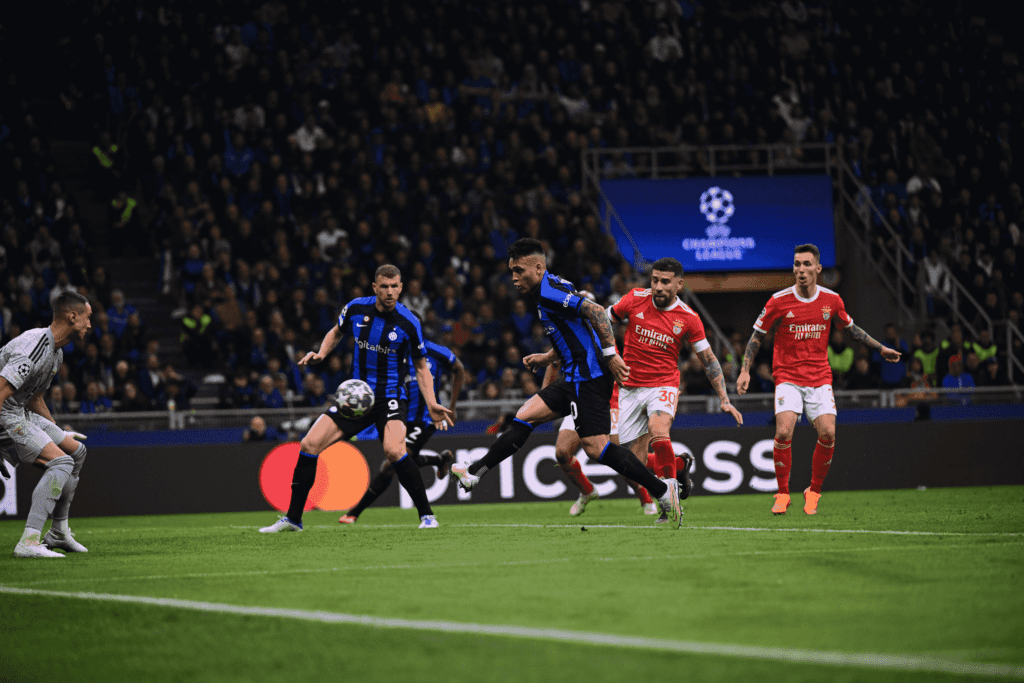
{"x":76,"y":436}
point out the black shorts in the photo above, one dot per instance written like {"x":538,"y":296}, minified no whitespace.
{"x":588,"y":402}
{"x":384,"y":410}
{"x":417,"y":435}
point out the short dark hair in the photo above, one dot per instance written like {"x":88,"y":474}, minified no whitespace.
{"x":802,"y":248}
{"x":67,"y":302}
{"x":669,"y":265}
{"x":527,"y":246}
{"x":387,"y":270}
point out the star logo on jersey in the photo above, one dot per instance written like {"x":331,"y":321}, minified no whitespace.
{"x":393,"y":336}
{"x":826,"y":312}
{"x":640,"y":315}
{"x":790,"y":315}
{"x":24,"y":369}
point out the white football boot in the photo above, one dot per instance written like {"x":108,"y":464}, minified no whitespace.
{"x":31,"y":547}
{"x":581,"y":503}
{"x":466,"y":480}
{"x":283,"y":524}
{"x":54,"y":540}
{"x":669,"y":503}
{"x":429,"y":522}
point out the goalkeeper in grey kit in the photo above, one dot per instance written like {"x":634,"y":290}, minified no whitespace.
{"x":28,"y":434}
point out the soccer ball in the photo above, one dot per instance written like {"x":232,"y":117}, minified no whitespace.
{"x":354,"y":398}
{"x":716,"y":205}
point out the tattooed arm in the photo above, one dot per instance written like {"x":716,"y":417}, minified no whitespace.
{"x":598,"y":318}
{"x":753,"y":347}
{"x":713,"y":369}
{"x":858,"y":334}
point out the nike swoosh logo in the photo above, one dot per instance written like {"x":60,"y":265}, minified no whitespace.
{"x":358,"y":325}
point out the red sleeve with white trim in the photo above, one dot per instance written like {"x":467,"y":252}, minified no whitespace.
{"x":769,"y":314}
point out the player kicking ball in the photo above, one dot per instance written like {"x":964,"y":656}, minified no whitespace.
{"x":28,"y":433}
{"x":657,"y":325}
{"x":802,"y":315}
{"x":386,"y":335}
{"x":582,"y":341}
{"x":420,"y":428}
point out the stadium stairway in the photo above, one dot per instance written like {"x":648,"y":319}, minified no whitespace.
{"x":138,"y":277}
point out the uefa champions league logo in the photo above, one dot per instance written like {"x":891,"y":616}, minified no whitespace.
{"x":718,"y":205}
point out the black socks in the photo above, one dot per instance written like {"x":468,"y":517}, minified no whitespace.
{"x":506,"y":445}
{"x":620,"y":459}
{"x":302,"y":482}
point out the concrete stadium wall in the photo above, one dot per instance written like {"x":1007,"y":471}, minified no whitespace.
{"x":223,"y":478}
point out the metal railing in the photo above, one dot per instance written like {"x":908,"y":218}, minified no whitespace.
{"x":685,"y":160}
{"x":889,"y":269}
{"x":298,"y":419}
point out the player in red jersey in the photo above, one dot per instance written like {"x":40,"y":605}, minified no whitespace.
{"x":803,"y":378}
{"x":658,"y":324}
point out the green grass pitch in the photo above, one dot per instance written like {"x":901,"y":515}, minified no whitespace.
{"x":826,"y":584}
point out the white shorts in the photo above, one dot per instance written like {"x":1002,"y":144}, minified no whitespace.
{"x":22,"y":438}
{"x":637,"y":403}
{"x":568,"y":424}
{"x":813,"y":401}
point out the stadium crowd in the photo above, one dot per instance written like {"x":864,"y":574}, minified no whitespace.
{"x":272,"y":156}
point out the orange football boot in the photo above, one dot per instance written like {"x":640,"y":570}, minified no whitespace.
{"x":811,"y":501}
{"x":781,"y":503}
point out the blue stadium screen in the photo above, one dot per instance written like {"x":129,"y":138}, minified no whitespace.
{"x":725,"y":224}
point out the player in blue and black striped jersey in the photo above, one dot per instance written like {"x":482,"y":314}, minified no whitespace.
{"x":419,"y":428}
{"x":387,"y":336}
{"x":582,"y":341}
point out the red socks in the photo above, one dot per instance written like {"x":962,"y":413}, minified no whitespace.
{"x":820,"y":463}
{"x":665,"y":458}
{"x":784,"y":462}
{"x":576,"y":476}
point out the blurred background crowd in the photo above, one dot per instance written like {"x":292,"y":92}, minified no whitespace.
{"x":270,"y":156}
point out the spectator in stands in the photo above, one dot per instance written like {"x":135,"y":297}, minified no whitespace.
{"x":151,"y":379}
{"x":55,"y":401}
{"x":132,"y":400}
{"x":990,"y":374}
{"x":840,"y":358}
{"x":861,"y":378}
{"x":267,"y":395}
{"x":259,"y":431}
{"x":94,"y":402}
{"x":951,"y":346}
{"x":177,"y":392}
{"x":118,"y":313}
{"x":197,"y":341}
{"x":238,"y":393}
{"x":892,"y":374}
{"x":957,"y":379}
{"x":928,"y":354}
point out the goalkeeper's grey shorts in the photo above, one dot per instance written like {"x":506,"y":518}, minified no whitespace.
{"x":22,"y":438}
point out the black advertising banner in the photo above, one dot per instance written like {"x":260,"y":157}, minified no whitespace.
{"x":186,"y":479}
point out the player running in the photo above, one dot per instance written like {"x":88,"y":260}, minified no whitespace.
{"x":590,"y":364}
{"x":803,"y":314}
{"x":28,"y":433}
{"x":658,"y":325}
{"x":568,"y":444}
{"x":420,"y":428}
{"x":386,"y":335}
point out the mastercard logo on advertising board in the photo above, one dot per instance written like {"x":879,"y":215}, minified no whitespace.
{"x":342,"y":477}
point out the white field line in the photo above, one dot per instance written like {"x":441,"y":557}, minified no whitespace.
{"x":633,"y":558}
{"x":901,"y":662}
{"x":884,"y":532}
